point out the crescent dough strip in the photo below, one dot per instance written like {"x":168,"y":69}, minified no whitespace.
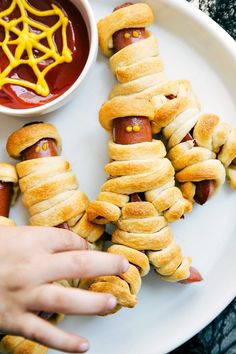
{"x":139,"y":70}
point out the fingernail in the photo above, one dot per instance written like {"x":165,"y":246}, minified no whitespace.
{"x":111,"y":303}
{"x":124,"y":266}
{"x":84,"y":346}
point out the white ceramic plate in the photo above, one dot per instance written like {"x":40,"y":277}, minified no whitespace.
{"x":192,"y":47}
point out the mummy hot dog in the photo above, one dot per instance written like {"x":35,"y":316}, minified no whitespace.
{"x":138,"y":167}
{"x":136,"y":63}
{"x":50,"y":189}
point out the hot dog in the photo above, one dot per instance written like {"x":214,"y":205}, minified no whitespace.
{"x":6,"y":193}
{"x":43,"y":148}
{"x":136,"y":197}
{"x":194,"y":277}
{"x":133,"y":130}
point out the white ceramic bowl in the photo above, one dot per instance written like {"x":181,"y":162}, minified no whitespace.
{"x":87,"y":14}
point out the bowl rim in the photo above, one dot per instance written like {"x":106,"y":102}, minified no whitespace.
{"x":57,"y":102}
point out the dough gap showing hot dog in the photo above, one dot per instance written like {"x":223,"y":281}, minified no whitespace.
{"x":204,"y":189}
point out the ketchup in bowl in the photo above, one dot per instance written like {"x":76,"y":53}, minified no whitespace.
{"x":44,"y":46}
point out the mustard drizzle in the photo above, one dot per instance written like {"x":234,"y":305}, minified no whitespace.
{"x":27,"y":41}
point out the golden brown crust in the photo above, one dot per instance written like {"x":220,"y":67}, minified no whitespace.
{"x":139,"y":259}
{"x":84,"y":228}
{"x":138,"y":85}
{"x":142,"y":68}
{"x":205,"y":170}
{"x":27,"y":136}
{"x":20,"y":345}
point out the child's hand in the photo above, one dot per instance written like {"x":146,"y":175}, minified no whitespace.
{"x":33,"y":257}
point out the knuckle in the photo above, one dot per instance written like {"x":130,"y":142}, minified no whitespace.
{"x":66,"y":239}
{"x":6,"y":321}
{"x":79,"y":264}
{"x":30,"y":331}
{"x":103,"y":302}
{"x":57,"y":297}
{"x":84,"y":243}
{"x":15,"y":278}
{"x":52,"y":296}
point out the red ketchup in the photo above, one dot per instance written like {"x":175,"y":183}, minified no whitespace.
{"x":61,"y":77}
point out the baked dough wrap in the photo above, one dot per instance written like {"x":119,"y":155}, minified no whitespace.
{"x":139,"y":70}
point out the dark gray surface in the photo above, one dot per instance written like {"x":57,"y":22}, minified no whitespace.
{"x":217,"y":338}
{"x":220,"y":336}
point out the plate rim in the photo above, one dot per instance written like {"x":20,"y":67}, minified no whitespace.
{"x":229,"y":44}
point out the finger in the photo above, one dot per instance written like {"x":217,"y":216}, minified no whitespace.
{"x":82,"y":264}
{"x":53,"y":239}
{"x":69,"y":301}
{"x":41,"y":331}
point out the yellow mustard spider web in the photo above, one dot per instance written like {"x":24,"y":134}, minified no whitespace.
{"x":27,"y":41}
